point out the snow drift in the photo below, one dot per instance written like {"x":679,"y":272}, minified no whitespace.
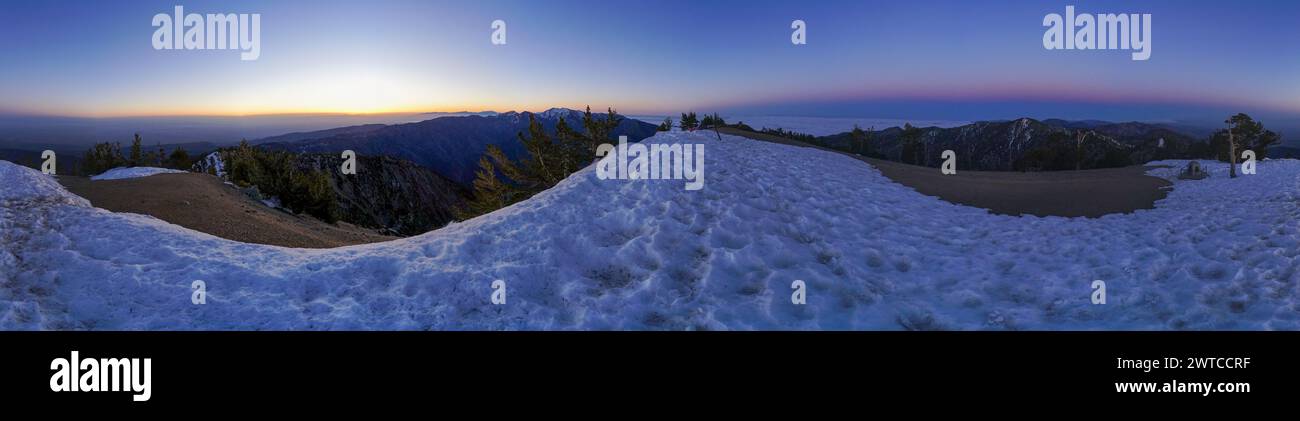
{"x":133,"y":172}
{"x":608,"y":254}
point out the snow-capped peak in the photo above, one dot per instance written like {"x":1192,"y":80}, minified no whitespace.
{"x":557,"y":112}
{"x":550,"y":114}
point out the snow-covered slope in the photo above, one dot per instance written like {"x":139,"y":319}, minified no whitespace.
{"x":606,"y":254}
{"x":133,"y":172}
{"x":22,"y":186}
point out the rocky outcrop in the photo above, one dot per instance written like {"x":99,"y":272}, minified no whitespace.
{"x":396,"y":196}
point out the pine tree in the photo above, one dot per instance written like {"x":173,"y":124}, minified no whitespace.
{"x":242,"y":166}
{"x":489,"y":192}
{"x":1263,"y":142}
{"x":550,"y":160}
{"x":546,"y":164}
{"x":1232,"y":151}
{"x":689,"y":121}
{"x":1242,"y":133}
{"x":573,"y":148}
{"x":599,"y":130}
{"x":859,"y":138}
{"x":179,"y":159}
{"x":667,"y":125}
{"x":102,"y":157}
{"x":717,"y":122}
{"x":911,"y":139}
{"x":869,"y":142}
{"x":136,"y":159}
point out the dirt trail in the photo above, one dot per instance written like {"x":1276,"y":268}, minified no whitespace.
{"x":202,"y":202}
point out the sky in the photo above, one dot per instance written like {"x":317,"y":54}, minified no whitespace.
{"x":960,"y":60}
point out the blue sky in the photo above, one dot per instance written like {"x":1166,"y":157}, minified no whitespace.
{"x":911,"y":59}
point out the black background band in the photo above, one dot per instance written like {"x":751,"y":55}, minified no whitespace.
{"x":325,"y":369}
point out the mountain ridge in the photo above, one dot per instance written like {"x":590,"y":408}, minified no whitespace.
{"x":1029,"y":144}
{"x":450,"y":146}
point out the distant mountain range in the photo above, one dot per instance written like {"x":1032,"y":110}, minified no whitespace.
{"x":1134,"y":130}
{"x":1284,"y":152}
{"x":69,"y":156}
{"x":1031,"y":144}
{"x":319,"y":134}
{"x":1199,"y":132}
{"x":449,"y":145}
{"x":44,"y":132}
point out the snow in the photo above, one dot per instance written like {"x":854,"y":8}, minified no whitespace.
{"x":556,"y":112}
{"x":133,"y":172}
{"x":1217,"y":253}
{"x":21,"y":185}
{"x":214,"y":163}
{"x":273,"y":203}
